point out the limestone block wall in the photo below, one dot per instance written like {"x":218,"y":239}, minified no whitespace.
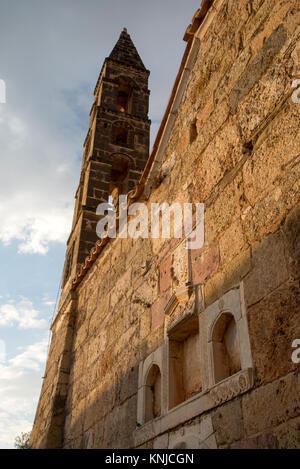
{"x":48,"y":428}
{"x":235,"y":147}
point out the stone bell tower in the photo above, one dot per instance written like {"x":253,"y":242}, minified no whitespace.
{"x":116,"y":147}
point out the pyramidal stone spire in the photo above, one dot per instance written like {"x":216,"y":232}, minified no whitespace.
{"x":125,"y":52}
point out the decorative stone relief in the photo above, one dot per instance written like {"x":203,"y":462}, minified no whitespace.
{"x":232,"y":386}
{"x":180,"y":296}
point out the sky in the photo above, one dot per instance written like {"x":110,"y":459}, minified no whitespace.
{"x":51,"y":53}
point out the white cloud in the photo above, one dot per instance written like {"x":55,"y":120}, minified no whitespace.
{"x":21,"y":313}
{"x":49,"y":303}
{"x":47,"y":300}
{"x":31,"y":358}
{"x":2,"y":351}
{"x":20,"y":385}
{"x":50,"y":86}
{"x":36,"y":200}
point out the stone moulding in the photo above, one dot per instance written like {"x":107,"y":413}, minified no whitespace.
{"x":232,"y":386}
{"x":227,"y":389}
{"x":180,"y":296}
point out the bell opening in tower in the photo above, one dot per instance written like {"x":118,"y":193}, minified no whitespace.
{"x":124,"y":97}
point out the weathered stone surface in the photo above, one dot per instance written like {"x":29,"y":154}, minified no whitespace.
{"x":269,"y":268}
{"x":180,"y":268}
{"x":228,"y":277}
{"x":288,"y":434}
{"x":217,"y":219}
{"x":221,"y":155}
{"x":205,"y":263}
{"x":128,"y":383}
{"x":265,"y":441}
{"x":269,"y":212}
{"x":157,"y":311}
{"x":257,"y":67}
{"x":227,"y":423}
{"x":116,"y":434}
{"x":165,"y":275}
{"x":291,"y":231}
{"x":162,"y":442}
{"x":271,"y":405}
{"x":231,"y":243}
{"x":273,"y":325}
{"x":277,"y":146}
{"x":262,"y":100}
{"x":145,"y":324}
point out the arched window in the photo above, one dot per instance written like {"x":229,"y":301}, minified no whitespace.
{"x":226,"y":350}
{"x":153,"y":394}
{"x":121,"y":136}
{"x":124,"y":96}
{"x":193,"y":131}
{"x":119,"y":177}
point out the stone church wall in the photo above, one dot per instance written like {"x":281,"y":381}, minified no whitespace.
{"x":146,"y":302}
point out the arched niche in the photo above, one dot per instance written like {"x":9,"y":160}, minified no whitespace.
{"x":225,"y":347}
{"x":153,"y":393}
{"x":185,"y":378}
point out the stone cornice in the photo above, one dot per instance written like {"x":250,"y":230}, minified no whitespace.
{"x":227,"y":389}
{"x":180,"y":296}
